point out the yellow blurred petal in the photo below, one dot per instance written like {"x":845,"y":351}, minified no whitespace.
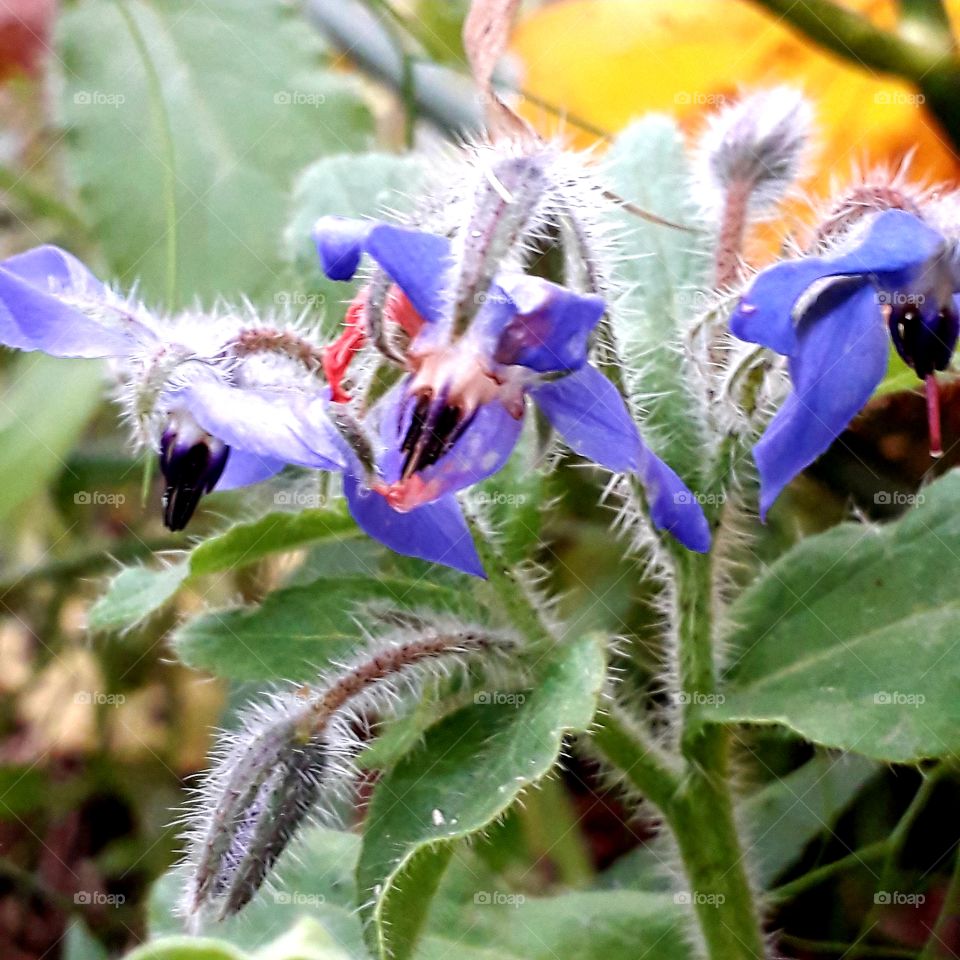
{"x":608,"y":61}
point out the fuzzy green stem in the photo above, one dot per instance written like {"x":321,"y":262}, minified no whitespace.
{"x":702,"y":816}
{"x":848,"y":951}
{"x":791,"y":890}
{"x":896,"y":842}
{"x":641,"y":762}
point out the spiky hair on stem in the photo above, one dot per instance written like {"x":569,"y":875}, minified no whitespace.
{"x":291,"y":757}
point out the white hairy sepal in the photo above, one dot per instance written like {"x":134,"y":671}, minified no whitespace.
{"x":280,"y":351}
{"x":759,"y":144}
{"x":292,"y":757}
{"x":872,"y":190}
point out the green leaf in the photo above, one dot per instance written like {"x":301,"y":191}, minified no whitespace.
{"x":308,"y":940}
{"x":42,"y":413}
{"x":138,"y":592}
{"x":78,"y":944}
{"x":246,"y":543}
{"x":465,"y":774}
{"x":785,"y":815}
{"x":315,"y":881}
{"x":134,"y":594}
{"x":298,"y":630}
{"x":665,"y":282}
{"x":850,"y":638}
{"x":349,"y":186}
{"x":241,"y":107}
{"x":595,"y":925}
{"x":187,"y":948}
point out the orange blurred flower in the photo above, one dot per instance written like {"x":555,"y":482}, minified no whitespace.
{"x":604,"y":62}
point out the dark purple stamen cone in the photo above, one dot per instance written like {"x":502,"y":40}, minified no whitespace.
{"x":925,"y":339}
{"x":191,"y":462}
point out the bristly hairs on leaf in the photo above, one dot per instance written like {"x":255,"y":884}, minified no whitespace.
{"x":291,"y":758}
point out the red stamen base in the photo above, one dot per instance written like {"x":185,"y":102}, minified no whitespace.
{"x":933,"y":415}
{"x":339,"y":355}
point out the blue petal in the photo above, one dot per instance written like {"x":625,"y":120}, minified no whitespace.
{"x":419,"y":263}
{"x":588,"y":411}
{"x":842,"y":355}
{"x":274,"y":425}
{"x":436,"y":532}
{"x":244,"y":468}
{"x":550,"y":328}
{"x":340,"y":243}
{"x":33,"y":315}
{"x":894,"y":249}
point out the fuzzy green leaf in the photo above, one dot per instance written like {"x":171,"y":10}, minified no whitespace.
{"x":138,"y":592}
{"x":478,"y":761}
{"x":665,"y":278}
{"x":245,"y":107}
{"x":297,"y":630}
{"x":850,"y":638}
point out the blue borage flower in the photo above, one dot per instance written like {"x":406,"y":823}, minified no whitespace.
{"x":456,"y":416}
{"x":217,"y":429}
{"x":830,"y":317}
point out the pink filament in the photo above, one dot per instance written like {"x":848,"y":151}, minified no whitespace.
{"x":933,"y":415}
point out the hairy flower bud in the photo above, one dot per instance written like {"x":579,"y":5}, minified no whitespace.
{"x":292,"y":756}
{"x":755,"y":145}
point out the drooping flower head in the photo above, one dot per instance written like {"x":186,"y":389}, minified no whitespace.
{"x":194,"y":390}
{"x":456,"y":416}
{"x":833,"y":317}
